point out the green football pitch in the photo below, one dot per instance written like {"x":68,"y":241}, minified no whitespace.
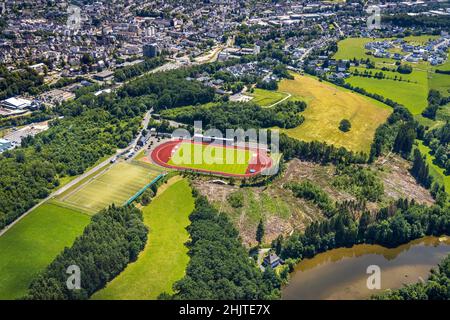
{"x":211,"y":158}
{"x":115,"y":185}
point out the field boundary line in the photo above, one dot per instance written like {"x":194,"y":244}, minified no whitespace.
{"x":282,"y":100}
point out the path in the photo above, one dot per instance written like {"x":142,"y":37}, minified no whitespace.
{"x":282,"y":100}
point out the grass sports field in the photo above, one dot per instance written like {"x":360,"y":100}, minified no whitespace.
{"x":327,"y":106}
{"x":33,"y":243}
{"x":214,"y":158}
{"x":164,"y":259}
{"x":266,"y":98}
{"x":116,"y":185}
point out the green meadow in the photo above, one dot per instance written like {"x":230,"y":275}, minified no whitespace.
{"x":164,"y":258}
{"x":413,"y":94}
{"x":30,"y":245}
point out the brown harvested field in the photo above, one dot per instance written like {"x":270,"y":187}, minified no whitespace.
{"x":283,"y":213}
{"x":327,"y":106}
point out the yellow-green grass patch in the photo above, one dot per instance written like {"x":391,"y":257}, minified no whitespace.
{"x":211,"y":158}
{"x":266,"y":98}
{"x":327,"y":106}
{"x":30,"y":245}
{"x":164,"y":258}
{"x":115,"y":185}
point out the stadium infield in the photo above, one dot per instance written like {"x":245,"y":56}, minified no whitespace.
{"x":216,"y":159}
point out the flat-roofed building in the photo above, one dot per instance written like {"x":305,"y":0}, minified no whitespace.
{"x":16,"y":103}
{"x":5,"y":145}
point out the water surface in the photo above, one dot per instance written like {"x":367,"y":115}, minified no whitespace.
{"x":341,"y":273}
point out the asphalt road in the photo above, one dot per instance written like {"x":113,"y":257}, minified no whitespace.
{"x":98,"y":167}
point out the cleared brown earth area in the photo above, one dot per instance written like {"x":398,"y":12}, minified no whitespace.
{"x":399,"y":183}
{"x":283,"y":213}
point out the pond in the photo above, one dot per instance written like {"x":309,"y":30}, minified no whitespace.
{"x":342,"y":273}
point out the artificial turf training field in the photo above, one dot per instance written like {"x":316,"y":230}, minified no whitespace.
{"x":212,"y":158}
{"x":30,"y":245}
{"x":115,"y":185}
{"x":327,"y":106}
{"x":164,"y":258}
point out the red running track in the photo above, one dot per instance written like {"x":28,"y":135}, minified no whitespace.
{"x":162,"y":154}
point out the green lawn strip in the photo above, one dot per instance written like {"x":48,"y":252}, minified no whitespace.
{"x":436,"y":172}
{"x":30,"y":245}
{"x":164,"y":258}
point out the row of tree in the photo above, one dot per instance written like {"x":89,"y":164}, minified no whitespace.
{"x":399,"y":223}
{"x":435,"y":101}
{"x":318,"y":152}
{"x":138,"y":69}
{"x":114,"y":238}
{"x":439,"y":142}
{"x":18,"y":81}
{"x":219,"y":266}
{"x":234,"y":115}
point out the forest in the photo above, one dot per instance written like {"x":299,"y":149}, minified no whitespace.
{"x":168,"y":90}
{"x":318,"y":152}
{"x":235,"y":115}
{"x":114,"y":238}
{"x":135,"y":70}
{"x":219,"y":266}
{"x":391,"y":226}
{"x":93,"y":127}
{"x":18,"y":81}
